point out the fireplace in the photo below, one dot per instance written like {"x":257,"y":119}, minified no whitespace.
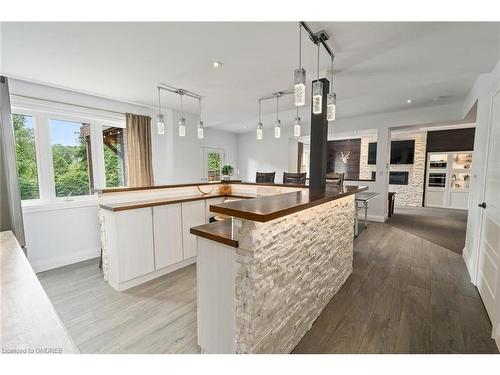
{"x":398,"y":178}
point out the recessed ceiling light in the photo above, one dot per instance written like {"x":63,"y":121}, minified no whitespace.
{"x":216,"y":64}
{"x":409,"y":101}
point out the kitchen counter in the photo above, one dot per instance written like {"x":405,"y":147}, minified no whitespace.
{"x":263,"y":209}
{"x":30,"y":323}
{"x":131,"y":205}
{"x":265,"y":274}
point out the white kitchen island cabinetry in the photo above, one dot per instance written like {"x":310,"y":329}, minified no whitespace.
{"x":193,"y":214}
{"x":167,"y":227}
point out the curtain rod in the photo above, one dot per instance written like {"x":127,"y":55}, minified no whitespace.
{"x":66,"y":103}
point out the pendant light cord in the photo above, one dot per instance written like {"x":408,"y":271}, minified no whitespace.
{"x":199,"y":102}
{"x":331,"y":83}
{"x":277,"y":107}
{"x":159,"y":102}
{"x":182,"y":110}
{"x":300,"y":46}
{"x":259,"y":110}
{"x":318,"y":64}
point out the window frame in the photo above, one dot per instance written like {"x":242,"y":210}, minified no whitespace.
{"x":34,"y":116}
{"x":42,"y":112}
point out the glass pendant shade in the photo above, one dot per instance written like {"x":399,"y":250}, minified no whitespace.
{"x":300,"y":87}
{"x":296,"y":127}
{"x":160,"y":123}
{"x":331,"y":102}
{"x":317,"y":99}
{"x":200,"y":130}
{"x":277,"y":129}
{"x":182,"y":127}
{"x":259,"y":131}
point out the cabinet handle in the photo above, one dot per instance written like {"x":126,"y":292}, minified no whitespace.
{"x":482,"y":205}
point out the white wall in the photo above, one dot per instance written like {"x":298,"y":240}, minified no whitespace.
{"x":188,"y":153}
{"x":268,"y":154}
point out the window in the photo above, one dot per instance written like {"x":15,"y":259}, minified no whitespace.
{"x":70,"y":143}
{"x":214,"y":166}
{"x":26,"y":156}
{"x":213,"y":160}
{"x":114,"y":156}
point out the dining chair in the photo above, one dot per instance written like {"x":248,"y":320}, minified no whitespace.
{"x":335,"y":179}
{"x":265,"y":177}
{"x":294,"y":178}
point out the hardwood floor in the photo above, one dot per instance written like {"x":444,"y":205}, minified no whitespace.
{"x":155,"y":317}
{"x":406,"y":295}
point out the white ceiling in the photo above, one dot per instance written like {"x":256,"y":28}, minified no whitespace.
{"x":378,"y":65}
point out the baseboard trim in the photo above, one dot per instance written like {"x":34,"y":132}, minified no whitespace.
{"x":376,"y":218}
{"x":152,"y":275}
{"x":64,"y":260}
{"x":467,"y":260}
{"x":496,"y":335}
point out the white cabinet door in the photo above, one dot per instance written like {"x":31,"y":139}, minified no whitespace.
{"x":167,"y":224}
{"x":210,"y":201}
{"x":489,"y":243}
{"x":134,"y":229}
{"x":193,"y":214}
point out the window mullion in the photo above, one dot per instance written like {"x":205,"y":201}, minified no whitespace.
{"x":96,"y":145}
{"x":44,"y":158}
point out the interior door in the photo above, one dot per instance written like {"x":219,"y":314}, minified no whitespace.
{"x":489,"y":245}
{"x":213,"y":160}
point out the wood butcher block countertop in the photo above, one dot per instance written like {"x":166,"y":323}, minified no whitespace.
{"x":123,"y":206}
{"x":266,"y":208}
{"x":220,"y":231}
{"x":271,"y":207}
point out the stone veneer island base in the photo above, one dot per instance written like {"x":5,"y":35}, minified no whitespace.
{"x":261,"y":289}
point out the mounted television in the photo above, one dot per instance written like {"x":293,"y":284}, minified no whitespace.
{"x":402,"y":152}
{"x":372,"y":153}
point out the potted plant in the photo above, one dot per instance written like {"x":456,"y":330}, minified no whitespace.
{"x":227,"y":172}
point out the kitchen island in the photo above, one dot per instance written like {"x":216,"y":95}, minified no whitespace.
{"x":145,"y":232}
{"x":265,"y":274}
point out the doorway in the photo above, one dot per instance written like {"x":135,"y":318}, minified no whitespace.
{"x":213,"y":160}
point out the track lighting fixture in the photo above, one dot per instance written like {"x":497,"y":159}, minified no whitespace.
{"x":182,"y":120}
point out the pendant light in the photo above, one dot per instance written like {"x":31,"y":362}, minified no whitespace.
{"x":200,"y":125}
{"x":160,"y":122}
{"x":300,"y":77}
{"x":317,"y":92}
{"x":259,"y":126}
{"x":296,"y":126}
{"x":182,"y":120}
{"x":331,"y":101}
{"x":277,"y":124}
